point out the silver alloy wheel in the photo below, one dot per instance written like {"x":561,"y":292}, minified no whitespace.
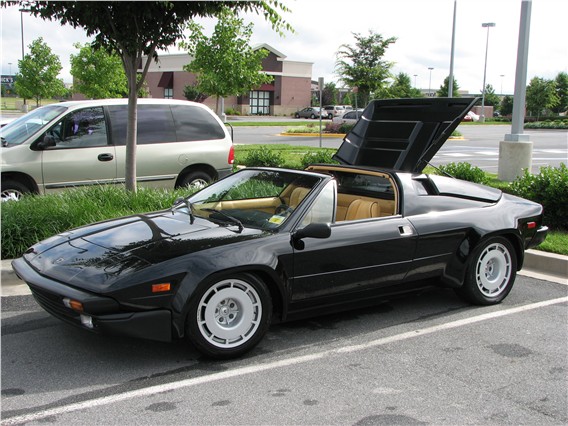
{"x":493,"y":270}
{"x":229,"y":313}
{"x":11,"y":195}
{"x":198,"y":184}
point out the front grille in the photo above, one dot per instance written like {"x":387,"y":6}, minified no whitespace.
{"x":53,"y":304}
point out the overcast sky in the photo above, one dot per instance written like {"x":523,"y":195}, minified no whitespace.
{"x":423,"y":29}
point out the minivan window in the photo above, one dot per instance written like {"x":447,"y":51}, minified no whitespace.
{"x":19,"y":130}
{"x":195,"y":124}
{"x":155,"y":124}
{"x":82,"y":128}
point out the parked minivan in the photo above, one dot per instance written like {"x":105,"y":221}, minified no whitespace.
{"x":71,"y":144}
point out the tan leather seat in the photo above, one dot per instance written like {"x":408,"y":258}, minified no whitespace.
{"x":298,"y":194}
{"x":362,"y":209}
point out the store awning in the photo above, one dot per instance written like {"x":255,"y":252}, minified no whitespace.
{"x":166,"y":80}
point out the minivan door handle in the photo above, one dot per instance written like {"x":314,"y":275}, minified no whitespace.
{"x":105,"y":157}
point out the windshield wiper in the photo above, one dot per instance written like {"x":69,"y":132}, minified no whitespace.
{"x":184,"y":202}
{"x":230,"y":218}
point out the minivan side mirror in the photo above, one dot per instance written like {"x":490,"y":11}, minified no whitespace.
{"x":48,"y":141}
{"x":313,"y":230}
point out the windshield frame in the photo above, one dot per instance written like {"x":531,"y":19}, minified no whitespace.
{"x":269,"y":211}
{"x":17,"y":132}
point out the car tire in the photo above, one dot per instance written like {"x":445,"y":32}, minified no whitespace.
{"x":13,"y":190}
{"x":312,"y":116}
{"x":230,"y":316}
{"x":297,"y":115}
{"x":196,"y":179}
{"x":491,"y":274}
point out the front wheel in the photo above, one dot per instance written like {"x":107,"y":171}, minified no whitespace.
{"x":230,"y":316}
{"x":13,"y":190}
{"x":491,"y":274}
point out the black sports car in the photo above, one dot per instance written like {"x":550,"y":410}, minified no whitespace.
{"x":268,"y":244}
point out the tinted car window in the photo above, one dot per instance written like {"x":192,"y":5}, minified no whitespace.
{"x":194,"y":123}
{"x":82,"y":128}
{"x":367,"y":185}
{"x":155,"y":124}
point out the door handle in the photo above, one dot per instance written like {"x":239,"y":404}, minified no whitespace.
{"x":405,"y":230}
{"x":105,"y":157}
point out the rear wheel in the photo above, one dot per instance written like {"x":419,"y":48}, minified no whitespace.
{"x":230,"y":316}
{"x":13,"y":190}
{"x":196,"y":179}
{"x":491,"y":274}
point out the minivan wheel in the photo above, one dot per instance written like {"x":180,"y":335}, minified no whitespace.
{"x":196,"y":179}
{"x":13,"y":190}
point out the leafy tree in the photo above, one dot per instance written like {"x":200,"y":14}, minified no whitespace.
{"x":445,"y":89}
{"x":192,"y":93}
{"x":561,"y":81}
{"x":329,"y":94}
{"x":506,"y":107}
{"x":97,"y":73}
{"x":541,"y":95}
{"x":363,"y":66}
{"x":136,"y":31}
{"x":491,"y":99}
{"x":225,"y":63}
{"x":37,"y":78}
{"x":402,"y":87}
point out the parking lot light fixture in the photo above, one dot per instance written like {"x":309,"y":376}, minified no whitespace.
{"x":485,"y":25}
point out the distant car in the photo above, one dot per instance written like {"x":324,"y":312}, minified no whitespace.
{"x":308,"y":112}
{"x":471,"y":116}
{"x":269,"y":245}
{"x":333,"y":110}
{"x":350,"y":117}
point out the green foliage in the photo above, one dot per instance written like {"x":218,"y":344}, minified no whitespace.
{"x":35,"y":218}
{"x":549,"y":188}
{"x":363,"y":66}
{"x":402,"y":87}
{"x":464,"y":171}
{"x":37,"y":78}
{"x":225,"y":64}
{"x":98,"y":74}
{"x":506,"y":107}
{"x":263,"y":157}
{"x":444,"y":90}
{"x":192,"y":93}
{"x":329,"y":94}
{"x":491,"y":99}
{"x":317,"y":157}
{"x":561,"y":81}
{"x":548,"y":124}
{"x":541,"y":95}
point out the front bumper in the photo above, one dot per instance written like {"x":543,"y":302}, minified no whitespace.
{"x":102,"y":313}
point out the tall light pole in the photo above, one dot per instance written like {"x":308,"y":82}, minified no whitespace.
{"x":451,"y":78}
{"x":415,"y":75}
{"x":430,"y":83}
{"x":485,"y":25}
{"x":502,"y":75}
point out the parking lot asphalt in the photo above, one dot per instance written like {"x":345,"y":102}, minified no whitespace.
{"x":538,"y":264}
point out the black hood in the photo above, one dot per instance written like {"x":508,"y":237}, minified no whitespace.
{"x":402,"y":134}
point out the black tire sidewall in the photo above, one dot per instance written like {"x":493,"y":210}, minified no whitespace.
{"x":193,"y":176}
{"x":15,"y":185}
{"x":470,"y":290}
{"x":194,"y":336}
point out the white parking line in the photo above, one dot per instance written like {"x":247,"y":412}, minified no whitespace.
{"x":97,"y":402}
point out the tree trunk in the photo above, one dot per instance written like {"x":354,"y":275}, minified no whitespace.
{"x":132,"y":127}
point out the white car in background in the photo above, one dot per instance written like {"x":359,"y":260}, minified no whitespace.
{"x":350,"y":117}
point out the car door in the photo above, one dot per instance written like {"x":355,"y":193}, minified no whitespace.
{"x":80,"y":154}
{"x":361,"y":254}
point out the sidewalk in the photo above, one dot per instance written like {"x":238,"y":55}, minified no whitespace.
{"x":538,"y":264}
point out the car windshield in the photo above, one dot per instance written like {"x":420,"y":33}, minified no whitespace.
{"x":18,"y":131}
{"x":257,"y":198}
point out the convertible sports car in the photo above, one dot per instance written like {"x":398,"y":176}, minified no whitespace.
{"x":268,"y":244}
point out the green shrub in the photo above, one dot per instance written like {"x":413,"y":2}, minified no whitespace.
{"x":35,"y":218}
{"x":263,"y":157}
{"x":464,"y":171}
{"x":547,"y":124}
{"x":549,"y":188}
{"x":317,"y":157}
{"x":232,"y":111}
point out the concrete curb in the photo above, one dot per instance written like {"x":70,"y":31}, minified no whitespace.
{"x":538,"y":264}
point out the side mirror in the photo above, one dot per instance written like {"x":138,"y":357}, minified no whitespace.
{"x":313,"y":230}
{"x":47,"y":142}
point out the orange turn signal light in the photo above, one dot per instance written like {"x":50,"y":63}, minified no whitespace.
{"x":160,"y":288}
{"x":73,"y":304}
